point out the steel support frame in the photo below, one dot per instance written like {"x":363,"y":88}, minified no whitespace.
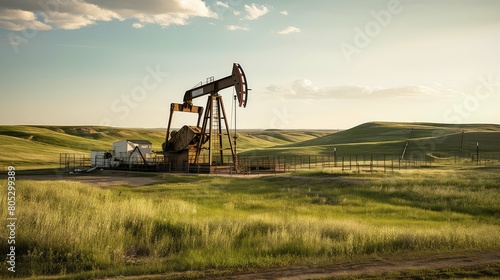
{"x":214,"y":101}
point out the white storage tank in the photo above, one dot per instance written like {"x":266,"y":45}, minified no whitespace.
{"x":132,"y":151}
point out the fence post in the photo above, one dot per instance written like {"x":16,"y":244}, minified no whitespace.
{"x":276,"y":166}
{"x":335,"y":157}
{"x":330,"y":164}
{"x":392,"y":163}
{"x":357,"y":164}
{"x":477,"y":153}
{"x":384,"y":163}
{"x":371,"y":163}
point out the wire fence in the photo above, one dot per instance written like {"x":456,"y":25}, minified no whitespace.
{"x":359,"y":163}
{"x":280,"y":164}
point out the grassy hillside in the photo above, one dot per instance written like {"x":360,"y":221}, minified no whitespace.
{"x":390,"y":138}
{"x":40,"y":146}
{"x":258,"y":139}
{"x":37,"y":146}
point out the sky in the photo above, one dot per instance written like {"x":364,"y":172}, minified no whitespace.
{"x":310,"y":64}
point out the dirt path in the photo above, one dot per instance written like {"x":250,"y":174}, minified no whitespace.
{"x":108,"y":178}
{"x":374,"y":267}
{"x":96,"y":180}
{"x":381,"y":268}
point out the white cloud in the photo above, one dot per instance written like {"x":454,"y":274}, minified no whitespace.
{"x":236,"y":13}
{"x":235,"y":27}
{"x":137,"y":25}
{"x":222,"y":4}
{"x":288,"y":30}
{"x":156,"y":7}
{"x":163,"y":19}
{"x":304,"y":89}
{"x":17,"y":20}
{"x":255,"y":12}
{"x":285,"y":13}
{"x":19,"y":15}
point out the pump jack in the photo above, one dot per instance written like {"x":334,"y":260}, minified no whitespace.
{"x":183,"y":149}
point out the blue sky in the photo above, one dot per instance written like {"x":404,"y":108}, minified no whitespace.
{"x":310,"y":64}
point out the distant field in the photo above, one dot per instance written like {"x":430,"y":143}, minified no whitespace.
{"x":199,"y":225}
{"x":390,"y":138}
{"x":39,"y":146}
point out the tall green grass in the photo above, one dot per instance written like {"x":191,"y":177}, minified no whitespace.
{"x":197,"y":223}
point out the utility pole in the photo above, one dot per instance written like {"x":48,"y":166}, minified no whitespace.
{"x":406,"y":146}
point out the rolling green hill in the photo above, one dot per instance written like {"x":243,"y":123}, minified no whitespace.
{"x":258,"y":139}
{"x":390,"y":138}
{"x":40,"y":146}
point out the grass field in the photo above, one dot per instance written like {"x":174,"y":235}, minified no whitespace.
{"x":229,"y":225}
{"x":201,"y":223}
